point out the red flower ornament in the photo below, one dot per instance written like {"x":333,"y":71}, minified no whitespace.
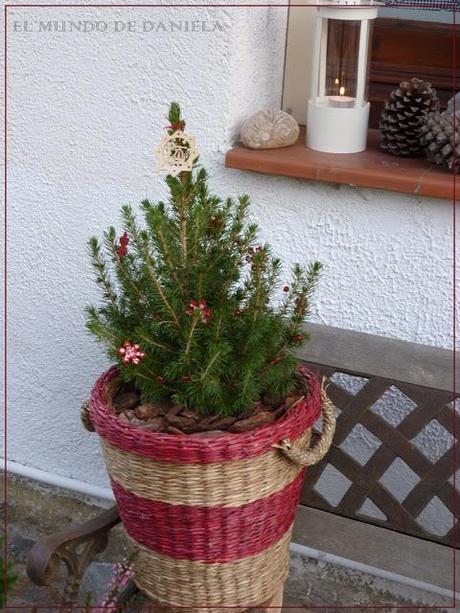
{"x":131,"y":353}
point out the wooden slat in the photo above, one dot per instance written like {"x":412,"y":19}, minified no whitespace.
{"x":433,"y":480}
{"x":357,"y":408}
{"x":450,"y":420}
{"x":430,"y":408}
{"x":368,"y":477}
{"x":369,"y":355}
{"x":396,"y":442}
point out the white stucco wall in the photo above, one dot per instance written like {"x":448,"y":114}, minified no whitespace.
{"x":86,"y":111}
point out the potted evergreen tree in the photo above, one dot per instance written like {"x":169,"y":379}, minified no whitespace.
{"x":205,"y":421}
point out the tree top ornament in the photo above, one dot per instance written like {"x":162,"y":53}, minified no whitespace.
{"x":177,"y":151}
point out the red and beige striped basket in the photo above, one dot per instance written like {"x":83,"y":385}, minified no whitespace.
{"x":210,"y":517}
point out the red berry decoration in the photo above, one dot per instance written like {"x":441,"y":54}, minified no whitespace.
{"x":298,"y":338}
{"x":191,"y":307}
{"x":206,"y":314}
{"x":205,"y":311}
{"x":160,"y":379}
{"x":186,"y":378}
{"x":131,"y":354}
{"x":237,"y":312}
{"x":123,"y":247}
{"x":286,"y":288}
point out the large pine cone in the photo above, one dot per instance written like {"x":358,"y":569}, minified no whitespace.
{"x":441,"y":144}
{"x":403,"y":115}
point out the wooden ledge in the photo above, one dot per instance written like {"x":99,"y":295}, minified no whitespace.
{"x":371,"y":168}
{"x":380,"y":548}
{"x":370,"y":355}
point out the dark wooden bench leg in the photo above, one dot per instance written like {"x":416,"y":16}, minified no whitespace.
{"x":76,"y":548}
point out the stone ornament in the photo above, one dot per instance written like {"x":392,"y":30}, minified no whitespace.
{"x":177,"y":152}
{"x":269,"y":129}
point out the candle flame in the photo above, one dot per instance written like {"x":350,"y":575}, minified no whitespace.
{"x":342,"y":91}
{"x":336,"y":81}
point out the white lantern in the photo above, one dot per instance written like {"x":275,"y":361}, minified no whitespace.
{"x":338,"y":110}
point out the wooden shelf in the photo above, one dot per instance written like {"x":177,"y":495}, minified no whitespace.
{"x":371,"y":168}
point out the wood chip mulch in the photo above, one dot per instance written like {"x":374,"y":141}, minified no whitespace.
{"x":174,"y":419}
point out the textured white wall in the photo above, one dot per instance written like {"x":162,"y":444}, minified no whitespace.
{"x":85,"y":113}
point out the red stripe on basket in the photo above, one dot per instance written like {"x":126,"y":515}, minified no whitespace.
{"x":189,"y":449}
{"x":209,"y":534}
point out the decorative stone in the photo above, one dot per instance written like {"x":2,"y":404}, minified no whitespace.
{"x":269,"y":129}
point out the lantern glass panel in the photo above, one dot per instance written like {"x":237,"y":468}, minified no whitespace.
{"x":342,"y":57}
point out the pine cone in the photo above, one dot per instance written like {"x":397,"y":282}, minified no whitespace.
{"x":403,"y":115}
{"x":441,"y":145}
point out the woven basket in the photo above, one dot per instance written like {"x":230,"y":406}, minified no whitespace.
{"x":210,"y":517}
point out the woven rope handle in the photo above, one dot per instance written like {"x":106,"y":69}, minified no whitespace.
{"x":315,"y":454}
{"x":86,"y":417}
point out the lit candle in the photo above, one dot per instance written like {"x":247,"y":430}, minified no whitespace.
{"x":341,"y":101}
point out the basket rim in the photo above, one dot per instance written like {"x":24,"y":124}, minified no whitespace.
{"x":163,"y":446}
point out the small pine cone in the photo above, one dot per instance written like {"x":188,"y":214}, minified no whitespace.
{"x":403,"y":115}
{"x":441,"y":144}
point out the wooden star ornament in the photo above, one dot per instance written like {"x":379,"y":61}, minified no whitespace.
{"x":177,"y":152}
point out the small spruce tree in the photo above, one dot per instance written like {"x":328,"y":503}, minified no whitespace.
{"x":188,"y":311}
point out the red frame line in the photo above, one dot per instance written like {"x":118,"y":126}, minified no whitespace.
{"x":5,"y":290}
{"x":222,"y":5}
{"x":5,"y":316}
{"x":455,"y":531}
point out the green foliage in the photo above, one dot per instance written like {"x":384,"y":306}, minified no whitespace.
{"x":196,"y":291}
{"x":7,"y":579}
